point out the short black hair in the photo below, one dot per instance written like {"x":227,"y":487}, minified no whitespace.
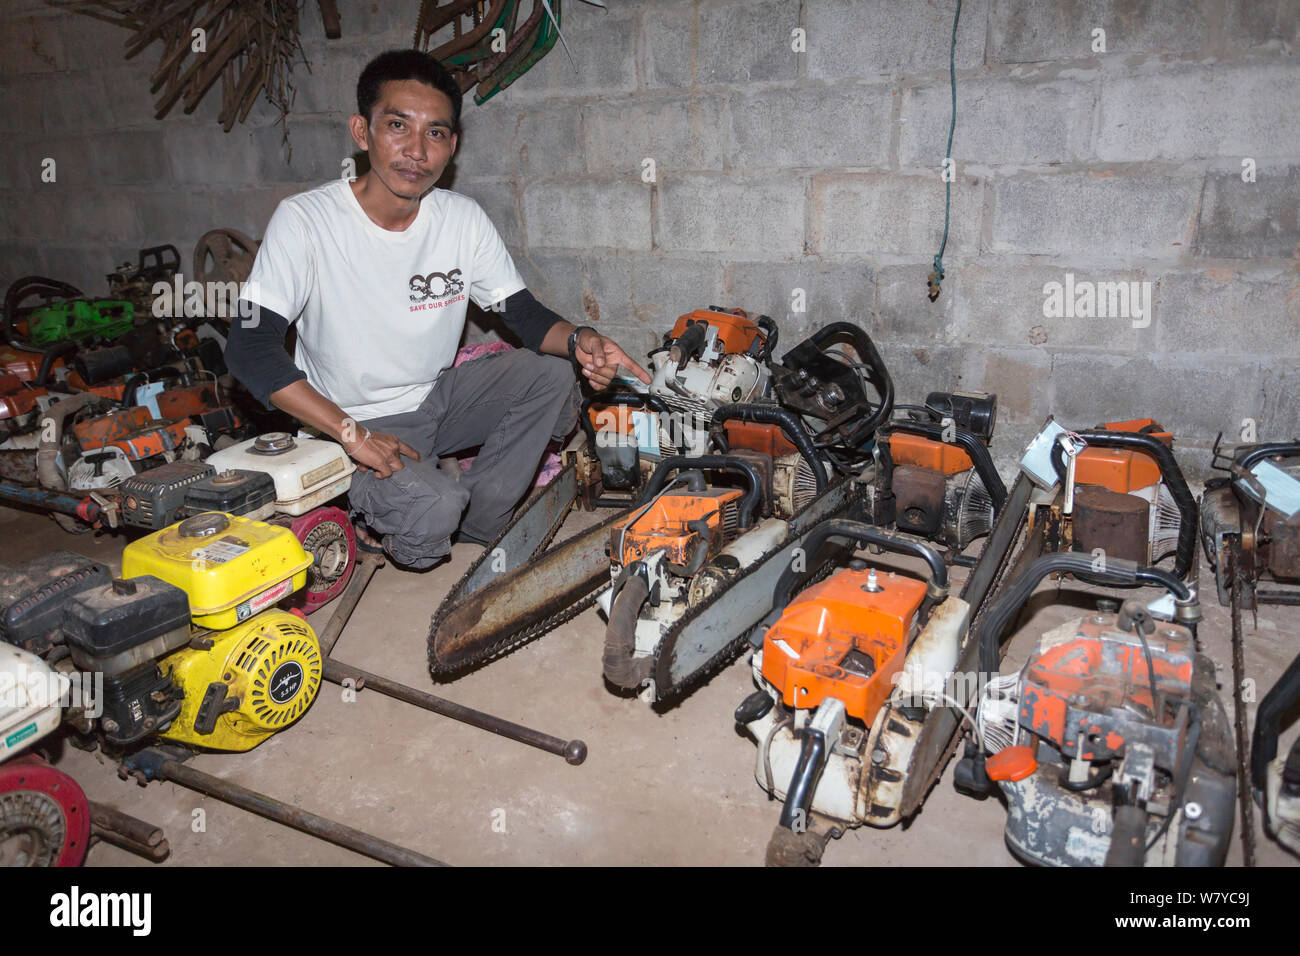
{"x":406,"y":65}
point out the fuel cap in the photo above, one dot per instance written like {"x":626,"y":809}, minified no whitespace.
{"x":227,"y":478}
{"x":204,"y":525}
{"x":273,"y":443}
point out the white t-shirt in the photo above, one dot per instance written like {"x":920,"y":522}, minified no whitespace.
{"x":379,"y":313}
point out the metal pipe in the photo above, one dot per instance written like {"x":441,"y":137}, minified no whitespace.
{"x":367,"y":565}
{"x":59,"y":502}
{"x":290,"y":816}
{"x":132,"y":828}
{"x":573,"y":751}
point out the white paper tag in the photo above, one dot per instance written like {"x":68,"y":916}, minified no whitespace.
{"x":1281,"y":491}
{"x":645,"y":427}
{"x":1037,"y":461}
{"x":219,"y":552}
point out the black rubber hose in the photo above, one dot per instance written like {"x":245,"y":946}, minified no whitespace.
{"x":972,"y":446}
{"x":716,"y":462}
{"x":620,"y":668}
{"x":1278,"y":700}
{"x":1170,"y":473}
{"x":860,"y":534}
{"x":1260,"y":452}
{"x":878,"y":376}
{"x":49,"y":357}
{"x":631,"y":399}
{"x":784,"y":419}
{"x":1119,"y":573}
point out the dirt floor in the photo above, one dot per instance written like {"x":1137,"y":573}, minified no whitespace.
{"x":671,"y":788}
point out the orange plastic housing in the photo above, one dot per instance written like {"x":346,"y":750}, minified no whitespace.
{"x":737,"y":332}
{"x":98,"y":432}
{"x":1091,"y":667}
{"x":1122,"y":470}
{"x":926,"y":453}
{"x":838,"y":640}
{"x":768,"y":439}
{"x":616,"y":418}
{"x":664,"y":526}
{"x":189,"y":400}
{"x":26,"y":365}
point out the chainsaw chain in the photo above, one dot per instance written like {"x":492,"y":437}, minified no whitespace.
{"x":513,"y":639}
{"x":728,"y":651}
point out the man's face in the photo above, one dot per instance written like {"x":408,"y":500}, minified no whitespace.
{"x":409,"y":136}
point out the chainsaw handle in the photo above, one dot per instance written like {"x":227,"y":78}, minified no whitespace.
{"x":972,"y":446}
{"x":784,"y":419}
{"x":716,"y":462}
{"x":1118,"y":572}
{"x":1170,"y":473}
{"x":859,"y":533}
{"x":1286,"y":449}
{"x":878,"y":375}
{"x":1279,"y":699}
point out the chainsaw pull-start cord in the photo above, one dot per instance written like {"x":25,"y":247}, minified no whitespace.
{"x":936,"y":277}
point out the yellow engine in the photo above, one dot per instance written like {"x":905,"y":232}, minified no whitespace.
{"x":255,"y":679}
{"x":259,"y":668}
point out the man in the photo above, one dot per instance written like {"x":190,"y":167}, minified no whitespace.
{"x":377,"y":272}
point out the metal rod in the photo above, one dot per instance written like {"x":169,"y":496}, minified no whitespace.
{"x":367,"y":565}
{"x":573,"y":751}
{"x":290,"y":816}
{"x":131,"y":828}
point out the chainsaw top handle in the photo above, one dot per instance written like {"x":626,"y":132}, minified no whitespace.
{"x":971,"y":445}
{"x":1170,"y":473}
{"x":783,"y":418}
{"x":860,"y":534}
{"x":876,"y":373}
{"x":1118,"y":572}
{"x":745,"y":510}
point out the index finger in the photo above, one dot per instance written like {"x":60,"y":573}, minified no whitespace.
{"x":407,"y":450}
{"x":640,"y":373}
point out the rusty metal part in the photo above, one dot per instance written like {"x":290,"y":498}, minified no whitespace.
{"x":232,"y":254}
{"x":1283,"y":558}
{"x":128,"y":832}
{"x":367,"y":564}
{"x":517,"y":607}
{"x":1244,"y":783}
{"x":1117,"y":524}
{"x":18,"y":466}
{"x":919,"y":494}
{"x":573,"y":751}
{"x":150,"y":764}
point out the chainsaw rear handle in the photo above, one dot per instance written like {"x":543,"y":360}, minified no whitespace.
{"x":878,"y":374}
{"x":630,"y":399}
{"x":784,"y":419}
{"x":860,"y":533}
{"x":813,"y":756}
{"x":770,"y":335}
{"x":972,"y":446}
{"x":1170,"y":473}
{"x":1280,"y":698}
{"x":717,"y":463}
{"x":1119,"y":573}
{"x":1257,"y":454}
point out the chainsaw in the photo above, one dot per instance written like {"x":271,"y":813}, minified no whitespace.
{"x":1250,"y":532}
{"x":1110,"y":745}
{"x":704,"y":551}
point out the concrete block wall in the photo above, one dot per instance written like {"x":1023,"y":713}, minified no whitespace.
{"x":778,"y":170}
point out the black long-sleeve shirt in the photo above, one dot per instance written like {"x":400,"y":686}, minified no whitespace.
{"x":255,"y":352}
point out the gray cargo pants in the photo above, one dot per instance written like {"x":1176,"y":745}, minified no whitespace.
{"x":510,"y":403}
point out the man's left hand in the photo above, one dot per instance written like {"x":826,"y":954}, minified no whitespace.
{"x":600,"y":358}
